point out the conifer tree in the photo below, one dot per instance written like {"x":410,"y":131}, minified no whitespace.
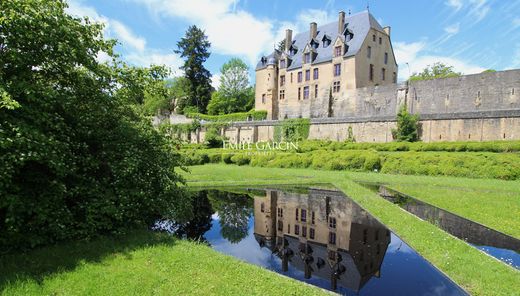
{"x":194,"y":48}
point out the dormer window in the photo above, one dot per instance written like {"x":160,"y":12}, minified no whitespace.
{"x":337,"y":51}
{"x":326,"y":41}
{"x":282,"y":64}
{"x":315,"y":44}
{"x":307,"y":58}
{"x":263,"y":60}
{"x":293,"y":50}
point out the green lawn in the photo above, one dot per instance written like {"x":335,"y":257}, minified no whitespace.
{"x":142,"y":263}
{"x":494,"y":203}
{"x":475,"y":271}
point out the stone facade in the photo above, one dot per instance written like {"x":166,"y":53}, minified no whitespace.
{"x":324,"y":65}
{"x":481,"y":107}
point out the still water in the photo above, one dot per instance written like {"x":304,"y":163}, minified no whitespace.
{"x":316,"y":236}
{"x":497,"y":244}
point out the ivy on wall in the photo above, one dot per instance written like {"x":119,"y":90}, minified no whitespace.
{"x":292,"y":130}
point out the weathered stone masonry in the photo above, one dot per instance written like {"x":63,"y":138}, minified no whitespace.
{"x":480,"y":107}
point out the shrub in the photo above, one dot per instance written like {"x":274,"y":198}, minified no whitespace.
{"x":215,"y":157}
{"x":226,"y":158}
{"x":407,"y":126}
{"x":241,"y":159}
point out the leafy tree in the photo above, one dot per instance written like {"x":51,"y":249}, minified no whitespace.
{"x":234,"y":94}
{"x":437,"y":70}
{"x":234,"y":211}
{"x":145,"y":87}
{"x":235,"y":78}
{"x":407,"y":126}
{"x":194,"y":48}
{"x":77,"y":159}
{"x":221,"y":104}
{"x":171,"y":92}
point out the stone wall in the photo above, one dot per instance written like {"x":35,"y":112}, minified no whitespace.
{"x":470,"y":93}
{"x":481,"y":107}
{"x":472,"y":126}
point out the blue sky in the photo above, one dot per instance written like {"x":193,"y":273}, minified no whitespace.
{"x":471,"y":35}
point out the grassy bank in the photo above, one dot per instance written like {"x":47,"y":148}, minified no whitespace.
{"x":494,"y":203}
{"x":475,"y":271}
{"x":143,"y":263}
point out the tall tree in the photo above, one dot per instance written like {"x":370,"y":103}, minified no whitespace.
{"x":194,"y":48}
{"x":76,"y":159}
{"x":234,"y":94}
{"x":235,"y":78}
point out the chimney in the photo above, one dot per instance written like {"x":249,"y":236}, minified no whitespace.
{"x":288,"y":39}
{"x":387,"y":30}
{"x":313,"y":30}
{"x":341,"y":22}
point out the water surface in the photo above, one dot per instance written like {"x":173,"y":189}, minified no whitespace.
{"x":317,"y":236}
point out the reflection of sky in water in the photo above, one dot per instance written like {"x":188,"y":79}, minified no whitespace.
{"x":509,"y":257}
{"x":403,"y":271}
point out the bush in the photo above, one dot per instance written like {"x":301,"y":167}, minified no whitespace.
{"x":215,"y":158}
{"x":241,"y":159}
{"x":213,"y":138}
{"x":407,"y":126}
{"x":76,"y":159}
{"x":226,"y":158}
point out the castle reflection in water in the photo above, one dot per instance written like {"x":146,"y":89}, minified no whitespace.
{"x":323,"y":234}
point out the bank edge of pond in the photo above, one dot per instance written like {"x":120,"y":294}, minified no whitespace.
{"x":470,"y":268}
{"x":141,"y":262}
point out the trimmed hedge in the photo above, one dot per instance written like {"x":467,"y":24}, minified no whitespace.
{"x":465,"y":164}
{"x":494,"y":146}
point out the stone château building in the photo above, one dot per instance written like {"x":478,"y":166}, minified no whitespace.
{"x":324,"y":63}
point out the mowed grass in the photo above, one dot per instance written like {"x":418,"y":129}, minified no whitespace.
{"x":494,"y":203}
{"x":472,"y":269}
{"x":142,"y":263}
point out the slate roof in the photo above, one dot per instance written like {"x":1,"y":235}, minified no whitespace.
{"x":357,"y":28}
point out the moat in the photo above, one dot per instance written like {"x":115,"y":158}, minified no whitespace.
{"x":315,"y":235}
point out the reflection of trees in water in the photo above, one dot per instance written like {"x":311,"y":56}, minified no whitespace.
{"x":199,"y":221}
{"x":234,"y":211}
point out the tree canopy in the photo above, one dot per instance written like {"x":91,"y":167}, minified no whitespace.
{"x":194,"y":48}
{"x":77,"y":158}
{"x":437,"y":70}
{"x":234,"y":94}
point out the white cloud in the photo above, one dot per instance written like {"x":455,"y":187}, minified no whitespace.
{"x":413,"y":54}
{"x":233,"y":31}
{"x":126,"y":36}
{"x":135,"y":46}
{"x":407,"y":52}
{"x":455,"y":4}
{"x":76,"y":8}
{"x":452,"y":29}
{"x":156,"y":57}
{"x":230,"y":30}
{"x":479,"y":10}
{"x":476,"y":10}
